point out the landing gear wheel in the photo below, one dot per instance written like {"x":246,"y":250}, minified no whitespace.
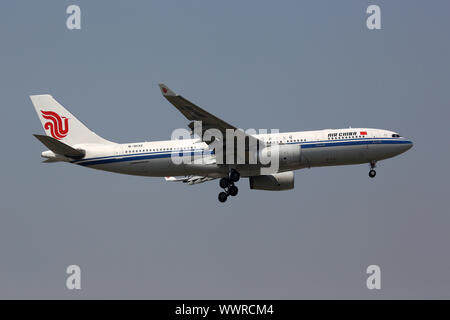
{"x":223,"y":196}
{"x":234,"y":176}
{"x":372,"y":173}
{"x":233,"y":191}
{"x":227,"y":183}
{"x":224,"y":183}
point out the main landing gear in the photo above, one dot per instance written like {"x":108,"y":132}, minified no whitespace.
{"x":227,"y":183}
{"x":372,"y":172}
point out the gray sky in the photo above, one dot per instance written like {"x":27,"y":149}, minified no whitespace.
{"x":291,"y":65}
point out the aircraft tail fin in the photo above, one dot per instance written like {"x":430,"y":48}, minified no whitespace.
{"x":61,"y":125}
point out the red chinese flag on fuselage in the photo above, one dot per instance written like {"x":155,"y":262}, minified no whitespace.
{"x":363,"y":133}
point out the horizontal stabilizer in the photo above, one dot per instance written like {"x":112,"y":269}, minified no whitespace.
{"x":51,"y":160}
{"x":59,"y":147}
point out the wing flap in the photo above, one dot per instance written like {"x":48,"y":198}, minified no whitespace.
{"x":189,"y":179}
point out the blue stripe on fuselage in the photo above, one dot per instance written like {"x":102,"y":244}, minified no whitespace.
{"x":137,"y":157}
{"x":304,"y":145}
{"x":352,"y":143}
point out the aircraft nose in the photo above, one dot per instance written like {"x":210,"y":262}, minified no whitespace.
{"x":406,"y":145}
{"x":410,"y":144}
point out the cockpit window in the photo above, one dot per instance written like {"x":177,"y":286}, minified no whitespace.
{"x":395,"y":135}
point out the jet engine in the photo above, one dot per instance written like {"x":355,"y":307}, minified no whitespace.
{"x":273,"y":182}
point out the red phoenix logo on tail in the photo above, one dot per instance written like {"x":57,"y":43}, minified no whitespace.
{"x":58,"y":130}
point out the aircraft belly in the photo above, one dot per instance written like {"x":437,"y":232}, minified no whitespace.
{"x":383,"y":151}
{"x":339,"y":155}
{"x":161,"y":168}
{"x":146,"y":167}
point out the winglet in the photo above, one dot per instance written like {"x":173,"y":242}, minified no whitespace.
{"x":166,"y":91}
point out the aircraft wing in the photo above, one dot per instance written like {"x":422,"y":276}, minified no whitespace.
{"x":190,"y":179}
{"x":194,"y":113}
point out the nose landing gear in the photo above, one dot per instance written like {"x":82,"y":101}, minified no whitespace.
{"x":227,"y":183}
{"x":372,"y":172}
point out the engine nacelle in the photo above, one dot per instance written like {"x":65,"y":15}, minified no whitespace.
{"x":273,"y":182}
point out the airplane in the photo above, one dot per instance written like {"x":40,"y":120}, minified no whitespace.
{"x":69,"y":140}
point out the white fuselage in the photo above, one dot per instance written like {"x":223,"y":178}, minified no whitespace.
{"x":327,"y":147}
